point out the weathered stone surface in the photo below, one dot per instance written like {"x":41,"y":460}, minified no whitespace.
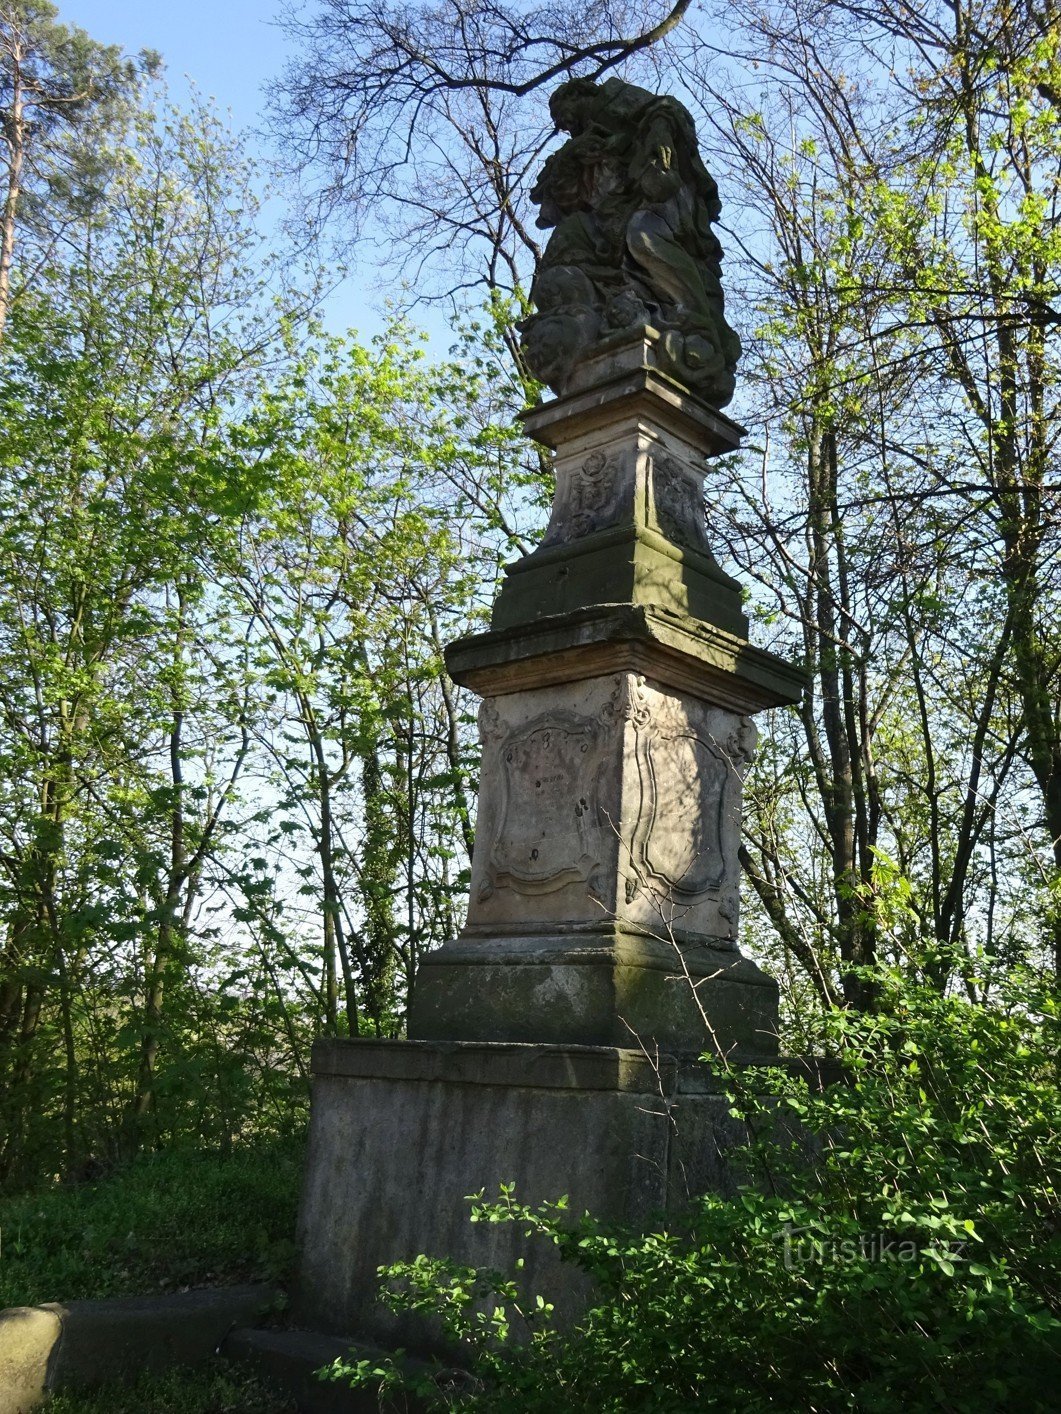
{"x":612,"y":798}
{"x":623,"y":991}
{"x":401,"y":1132}
{"x":621,"y":565}
{"x":28,"y":1337}
{"x":632,"y":205}
{"x":487,"y":1063}
{"x":623,"y":380}
{"x":111,"y":1339}
{"x":617,"y":681}
{"x":627,"y":524}
{"x":605,"y":883}
{"x":674,"y":650}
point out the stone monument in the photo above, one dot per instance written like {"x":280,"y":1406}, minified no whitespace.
{"x":553,"y":1042}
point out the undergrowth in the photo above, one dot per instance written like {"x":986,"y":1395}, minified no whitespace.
{"x":164,"y":1222}
{"x":213,"y":1389}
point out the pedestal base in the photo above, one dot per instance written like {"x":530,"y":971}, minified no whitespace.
{"x":402,"y":1131}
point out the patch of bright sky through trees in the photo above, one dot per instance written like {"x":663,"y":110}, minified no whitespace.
{"x":232,"y":52}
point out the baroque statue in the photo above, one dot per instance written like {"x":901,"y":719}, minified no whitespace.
{"x":630,"y":204}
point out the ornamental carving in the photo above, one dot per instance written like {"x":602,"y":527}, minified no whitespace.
{"x":587,"y":501}
{"x":549,"y":830}
{"x":689,"y":788}
{"x":679,"y":503}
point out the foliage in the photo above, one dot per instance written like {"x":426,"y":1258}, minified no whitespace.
{"x":873,"y":516}
{"x":215,"y":1388}
{"x":235,"y":784}
{"x":237,"y":787}
{"x":118,"y":764}
{"x":388,"y":481}
{"x":909,"y":1259}
{"x":162,"y":1222}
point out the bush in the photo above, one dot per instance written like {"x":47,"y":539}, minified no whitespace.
{"x":913,"y":1263}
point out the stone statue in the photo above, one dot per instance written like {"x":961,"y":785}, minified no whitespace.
{"x":630,"y":203}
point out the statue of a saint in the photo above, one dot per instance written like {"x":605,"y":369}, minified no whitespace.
{"x":631,"y":204}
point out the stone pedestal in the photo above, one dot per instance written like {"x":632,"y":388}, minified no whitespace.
{"x":553,"y":1040}
{"x":402,"y":1132}
{"x":604,"y":889}
{"x":617,"y":685}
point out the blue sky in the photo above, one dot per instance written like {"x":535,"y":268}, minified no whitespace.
{"x":232,"y":51}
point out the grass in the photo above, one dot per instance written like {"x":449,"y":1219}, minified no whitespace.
{"x":165,"y":1222}
{"x":213,"y":1389}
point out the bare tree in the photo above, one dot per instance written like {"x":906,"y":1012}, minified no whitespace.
{"x":429,"y":120}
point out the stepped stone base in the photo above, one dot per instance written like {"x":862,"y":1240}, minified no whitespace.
{"x":82,"y":1345}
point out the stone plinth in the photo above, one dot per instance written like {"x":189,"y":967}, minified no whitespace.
{"x":403,"y":1131}
{"x":617,"y":685}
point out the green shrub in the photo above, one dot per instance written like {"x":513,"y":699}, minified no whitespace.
{"x":165,"y":1221}
{"x":911,"y":1263}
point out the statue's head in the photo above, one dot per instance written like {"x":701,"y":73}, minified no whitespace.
{"x":570,"y":104}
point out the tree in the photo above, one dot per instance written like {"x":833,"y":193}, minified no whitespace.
{"x":116,"y":374}
{"x":359,"y":566}
{"x":837,"y":519}
{"x":58,"y":90}
{"x":227,"y":563}
{"x":981,"y":255}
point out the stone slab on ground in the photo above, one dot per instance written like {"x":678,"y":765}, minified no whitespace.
{"x":28,"y":1335}
{"x":290,"y":1360}
{"x":80,"y":1344}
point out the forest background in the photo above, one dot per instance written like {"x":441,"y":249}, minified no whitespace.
{"x":236,"y":787}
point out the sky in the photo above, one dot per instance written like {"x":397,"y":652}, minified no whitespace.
{"x":232,"y":51}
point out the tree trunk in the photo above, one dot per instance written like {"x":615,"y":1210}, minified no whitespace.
{"x":15,"y":141}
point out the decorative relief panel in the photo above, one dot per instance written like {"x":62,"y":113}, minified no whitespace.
{"x":587,"y":500}
{"x":689,"y":789}
{"x":679,"y":503}
{"x":549,"y":821}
